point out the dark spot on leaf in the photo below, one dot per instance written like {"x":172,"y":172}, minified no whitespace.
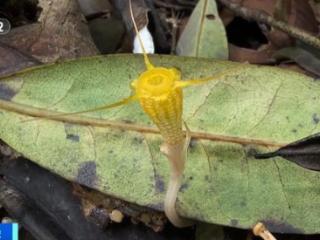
{"x":87,"y":174}
{"x":234,"y":222}
{"x":250,"y":151}
{"x":159,"y":183}
{"x":206,"y":178}
{"x":127,"y":121}
{"x":211,"y":16}
{"x":69,"y":133}
{"x":193,"y":143}
{"x":190,"y":178}
{"x":110,"y":151}
{"x":117,"y":136}
{"x":243,"y":204}
{"x":184,"y":187}
{"x":315,"y":118}
{"x":281,"y":227}
{"x":294,"y":130}
{"x":73,"y":137}
{"x":6,"y":92}
{"x":137,"y":140}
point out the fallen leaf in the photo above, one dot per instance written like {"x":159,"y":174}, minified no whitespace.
{"x":304,"y":58}
{"x":305,"y":152}
{"x":12,"y":60}
{"x":59,"y":34}
{"x":259,"y":108}
{"x":204,"y":35}
{"x":258,"y":56}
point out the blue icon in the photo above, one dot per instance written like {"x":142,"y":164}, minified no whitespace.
{"x":9,"y":231}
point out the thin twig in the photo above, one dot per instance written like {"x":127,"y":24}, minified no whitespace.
{"x":262,"y":17}
{"x":82,"y":120}
{"x":174,"y":21}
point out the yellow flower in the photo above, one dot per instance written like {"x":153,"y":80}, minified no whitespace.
{"x":160,"y":96}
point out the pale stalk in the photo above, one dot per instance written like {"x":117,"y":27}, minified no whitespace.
{"x":176,"y":154}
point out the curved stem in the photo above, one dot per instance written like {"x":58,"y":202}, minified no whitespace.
{"x":176,"y":155}
{"x":170,"y":202}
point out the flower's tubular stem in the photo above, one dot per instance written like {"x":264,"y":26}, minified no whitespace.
{"x":176,"y":153}
{"x":170,"y":202}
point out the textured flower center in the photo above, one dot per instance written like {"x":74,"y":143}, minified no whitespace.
{"x":156,"y":82}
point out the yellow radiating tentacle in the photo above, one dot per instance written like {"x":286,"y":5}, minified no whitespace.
{"x":191,"y":82}
{"x":113,"y":105}
{"x":145,"y":56}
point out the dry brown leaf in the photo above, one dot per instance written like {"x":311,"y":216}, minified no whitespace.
{"x":60,"y":34}
{"x":259,"y":56}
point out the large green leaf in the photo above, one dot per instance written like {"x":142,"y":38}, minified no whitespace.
{"x":204,"y":35}
{"x":223,"y":183}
